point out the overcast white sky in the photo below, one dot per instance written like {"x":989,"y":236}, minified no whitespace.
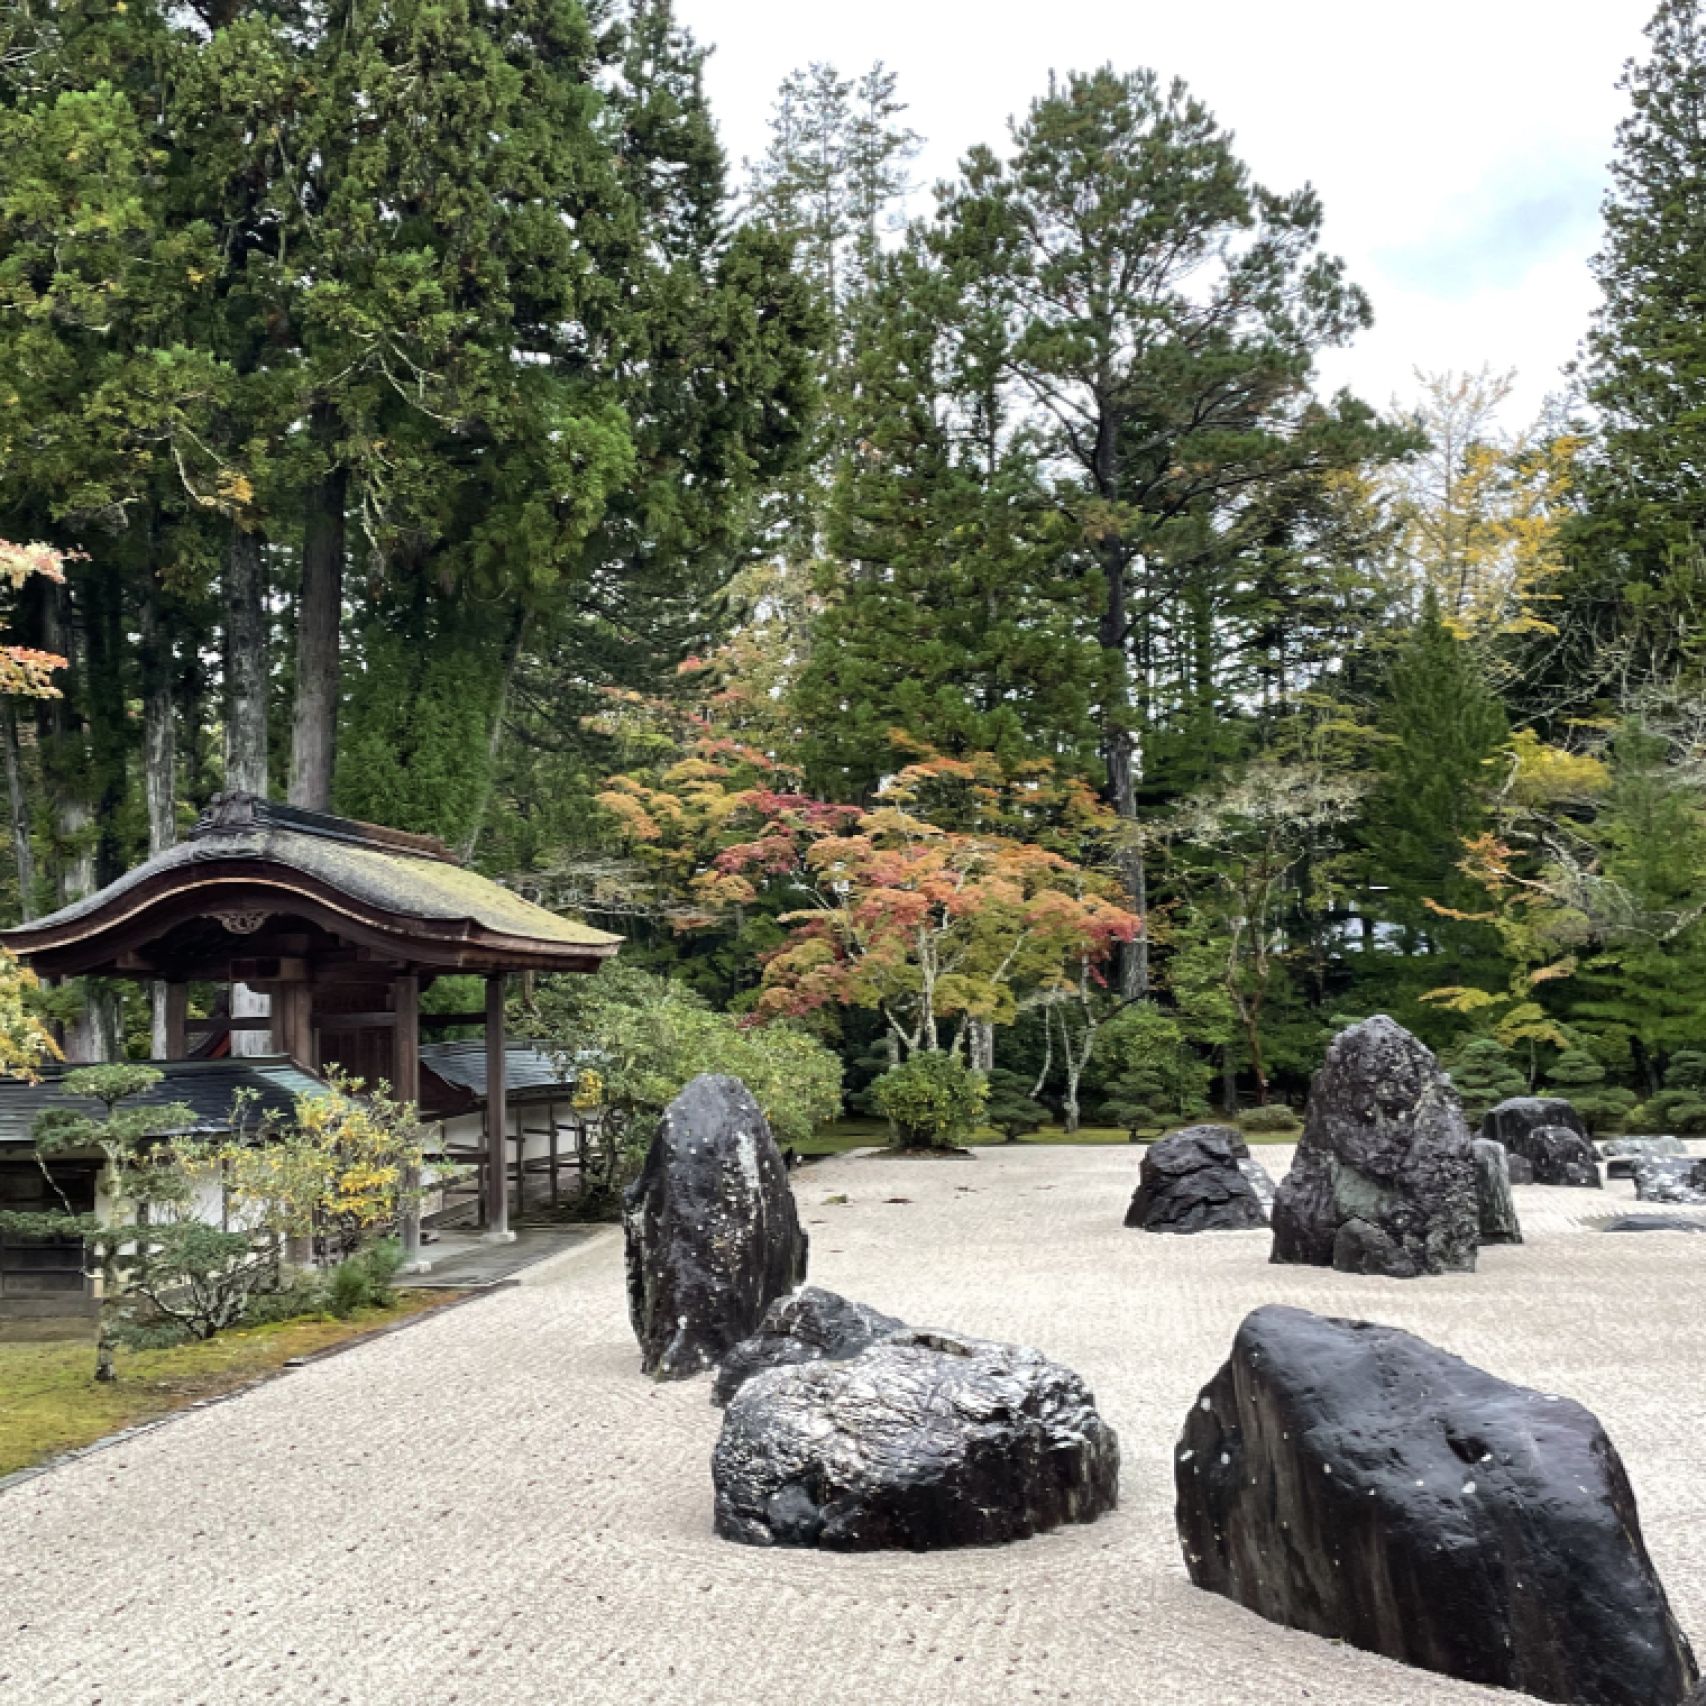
{"x":1459,"y":146}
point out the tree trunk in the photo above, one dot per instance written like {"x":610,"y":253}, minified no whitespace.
{"x":23,"y":853}
{"x":70,"y":775}
{"x":319,"y":615}
{"x":982,"y":1045}
{"x":247,"y":672}
{"x":159,"y":729}
{"x":247,"y":682}
{"x":159,"y":775}
{"x":494,"y":745}
{"x":1118,"y":758}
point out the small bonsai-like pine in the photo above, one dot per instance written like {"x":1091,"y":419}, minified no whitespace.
{"x":1011,"y":1108}
{"x":1577,"y":1076}
{"x":1483,"y":1074}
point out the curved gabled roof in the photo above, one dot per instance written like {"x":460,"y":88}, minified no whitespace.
{"x":386,"y":889}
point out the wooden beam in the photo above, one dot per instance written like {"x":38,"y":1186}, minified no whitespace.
{"x":355,"y":1021}
{"x":497,"y":1117}
{"x":443,"y":1021}
{"x":222,"y":1027}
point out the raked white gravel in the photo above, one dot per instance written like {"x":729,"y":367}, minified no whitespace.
{"x":495,"y":1507}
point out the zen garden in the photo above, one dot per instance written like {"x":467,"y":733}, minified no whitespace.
{"x":815,"y":897}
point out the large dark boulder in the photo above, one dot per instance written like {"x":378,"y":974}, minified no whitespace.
{"x":1621,"y":1153}
{"x":1384,"y":1179}
{"x":1356,"y":1482}
{"x":712,"y":1232}
{"x":1512,"y":1119}
{"x":1499,"y":1224}
{"x":1670,"y":1179}
{"x":924,"y":1440}
{"x":1560,"y":1156}
{"x":1194,"y":1181}
{"x":808,"y":1325}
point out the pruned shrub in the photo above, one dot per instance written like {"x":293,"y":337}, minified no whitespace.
{"x":1272,"y":1118}
{"x":933,"y":1101}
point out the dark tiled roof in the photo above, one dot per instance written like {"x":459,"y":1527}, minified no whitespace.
{"x":529,"y":1067}
{"x":207,"y":1087}
{"x":398,"y":874}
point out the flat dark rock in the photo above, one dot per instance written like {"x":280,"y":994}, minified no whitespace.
{"x":1384,"y":1179}
{"x":1194,"y":1181}
{"x":712,"y":1233}
{"x":1499,"y":1223}
{"x":808,"y":1325}
{"x":1358,"y":1483}
{"x":1653,"y":1223}
{"x":925,"y":1440}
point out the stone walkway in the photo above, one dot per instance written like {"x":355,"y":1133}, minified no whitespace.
{"x":494,"y":1507}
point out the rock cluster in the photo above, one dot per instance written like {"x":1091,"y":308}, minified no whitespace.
{"x":1194,"y":1181}
{"x":712,"y":1232}
{"x":1679,"y":1180}
{"x":1515,"y":1117}
{"x":923,"y":1440}
{"x":1356,"y":1482}
{"x":1547,"y":1135}
{"x":1499,"y":1224}
{"x":1621,"y":1153}
{"x":808,"y":1325}
{"x":1384,"y":1181}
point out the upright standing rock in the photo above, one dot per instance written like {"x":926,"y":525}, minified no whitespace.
{"x":1499,"y":1224}
{"x":712,"y":1232}
{"x":1356,"y":1482}
{"x":1384,"y":1180}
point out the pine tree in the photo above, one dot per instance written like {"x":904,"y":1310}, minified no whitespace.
{"x":1164,"y":312}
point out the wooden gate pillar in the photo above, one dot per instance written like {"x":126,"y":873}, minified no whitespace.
{"x":497,"y":1118}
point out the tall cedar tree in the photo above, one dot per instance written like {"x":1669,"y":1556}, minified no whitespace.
{"x":1636,"y":595}
{"x":948,"y":625}
{"x":697,"y":346}
{"x":1443,"y":725}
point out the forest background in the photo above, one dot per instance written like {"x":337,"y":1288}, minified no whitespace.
{"x":954,"y":627}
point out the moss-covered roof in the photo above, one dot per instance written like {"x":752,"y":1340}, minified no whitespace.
{"x":376,"y":875}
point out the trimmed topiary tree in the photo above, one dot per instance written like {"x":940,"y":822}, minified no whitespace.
{"x":1580,"y":1079}
{"x":1011,"y":1108}
{"x":1483,"y":1074}
{"x":1681,"y":1105}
